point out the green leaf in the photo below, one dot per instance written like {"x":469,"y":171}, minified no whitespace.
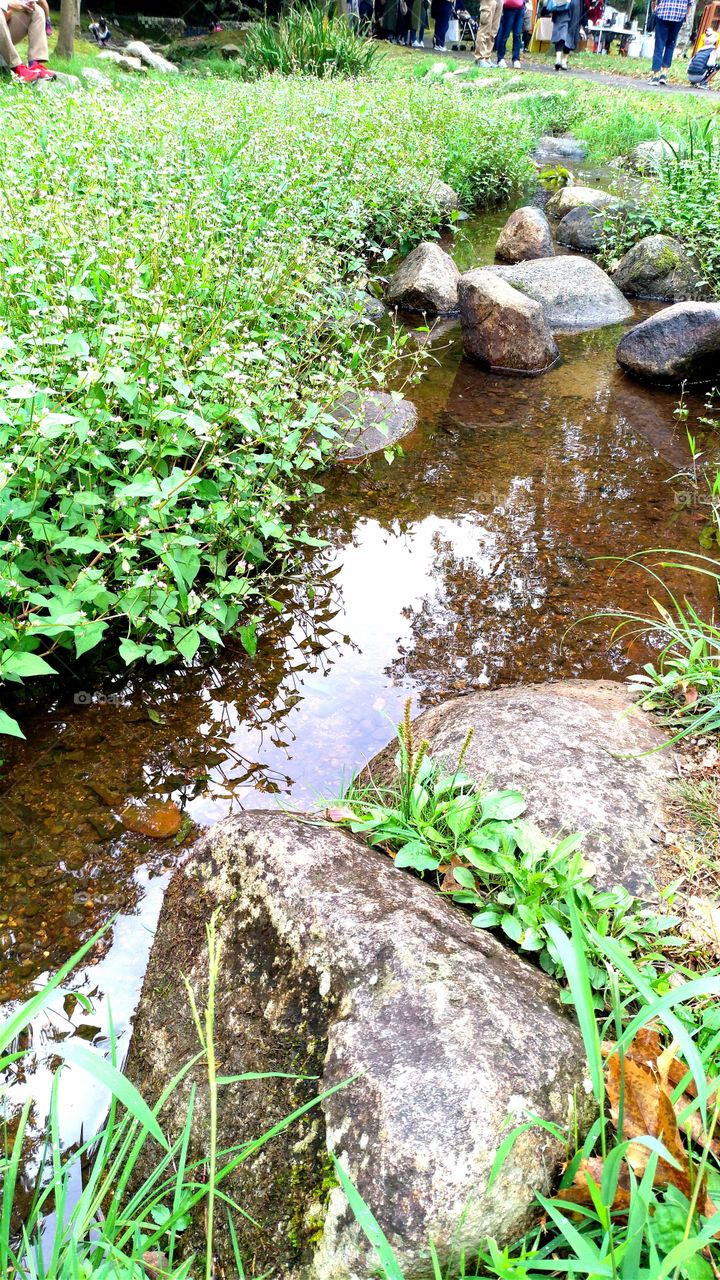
{"x":511,"y":926}
{"x":248,"y":638}
{"x":89,"y":637}
{"x":10,"y":727}
{"x":503,"y":805}
{"x":24,"y":665}
{"x":417,"y":855}
{"x":189,"y":643}
{"x":102,"y":1070}
{"x":369,"y":1225}
{"x":130,"y":651}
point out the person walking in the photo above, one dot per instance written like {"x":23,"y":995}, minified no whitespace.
{"x":490,"y":14}
{"x":669,"y":18}
{"x":511,"y":23}
{"x":441,"y":11}
{"x":565,"y":30}
{"x":18,"y":19}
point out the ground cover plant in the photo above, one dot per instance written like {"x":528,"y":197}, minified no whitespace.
{"x":175,"y":330}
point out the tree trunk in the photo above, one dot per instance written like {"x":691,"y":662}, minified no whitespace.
{"x":66,"y":38}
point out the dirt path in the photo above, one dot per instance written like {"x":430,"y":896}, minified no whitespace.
{"x":619,"y":81}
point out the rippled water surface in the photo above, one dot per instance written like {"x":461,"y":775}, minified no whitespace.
{"x":460,"y":566}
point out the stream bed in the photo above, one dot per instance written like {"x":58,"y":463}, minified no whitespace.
{"x":462,"y":565}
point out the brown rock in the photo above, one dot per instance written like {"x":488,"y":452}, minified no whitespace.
{"x":526,"y":234}
{"x":502,"y":329}
{"x":426,"y":281}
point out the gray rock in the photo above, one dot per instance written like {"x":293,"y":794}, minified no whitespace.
{"x":575,"y":750}
{"x":363,"y":307}
{"x":426,"y":281}
{"x":337,"y":965}
{"x":444,"y":198}
{"x":526,"y":234}
{"x":662,"y":268}
{"x":63,"y":79}
{"x":122,"y":60}
{"x":680,"y":343}
{"x":582,"y":228}
{"x":370,"y":422}
{"x":148,"y":56}
{"x":231,"y":52}
{"x":577,"y":197}
{"x":502,"y":329}
{"x":648,"y":157}
{"x":575,"y":293}
{"x":96,"y":79}
{"x":569,"y":150}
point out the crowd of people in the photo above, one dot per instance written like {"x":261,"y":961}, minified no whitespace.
{"x":512,"y":21}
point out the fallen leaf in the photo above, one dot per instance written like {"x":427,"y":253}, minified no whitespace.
{"x":648,"y":1112}
{"x":579,"y":1192}
{"x":156,"y":818}
{"x":155,"y":1263}
{"x":449,"y":884}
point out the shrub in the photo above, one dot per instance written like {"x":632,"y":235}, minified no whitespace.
{"x":171,"y":332}
{"x":307,"y":40}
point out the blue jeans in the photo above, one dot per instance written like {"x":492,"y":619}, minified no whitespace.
{"x":511,"y":23}
{"x":666,"y":34}
{"x":442,"y":22}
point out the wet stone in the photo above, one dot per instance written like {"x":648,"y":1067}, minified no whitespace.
{"x":375,"y":421}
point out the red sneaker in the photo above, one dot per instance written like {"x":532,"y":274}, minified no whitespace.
{"x":43,"y":72}
{"x":29,"y":75}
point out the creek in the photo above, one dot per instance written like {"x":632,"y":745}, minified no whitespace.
{"x":462,"y":565}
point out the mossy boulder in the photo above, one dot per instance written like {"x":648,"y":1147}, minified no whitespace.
{"x":661,"y":267}
{"x":339,"y":967}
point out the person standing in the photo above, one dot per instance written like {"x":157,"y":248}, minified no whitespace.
{"x":18,"y":19}
{"x":418,"y":23}
{"x":566,"y":31}
{"x":511,"y":23}
{"x":441,"y":11}
{"x":669,"y":18}
{"x":490,"y":14}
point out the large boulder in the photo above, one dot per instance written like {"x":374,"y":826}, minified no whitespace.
{"x":582,"y":228}
{"x":578,"y":198}
{"x":582,"y":754}
{"x":526,"y":234}
{"x":370,"y":422}
{"x":340,"y":968}
{"x":502,"y":329}
{"x":155,"y":61}
{"x":648,"y":157}
{"x":662,"y":268}
{"x":426,"y":281}
{"x":680,"y":343}
{"x":575,"y":293}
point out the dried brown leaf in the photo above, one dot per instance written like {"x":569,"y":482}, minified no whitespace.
{"x":579,"y":1192}
{"x":648,"y":1112}
{"x":449,"y":884}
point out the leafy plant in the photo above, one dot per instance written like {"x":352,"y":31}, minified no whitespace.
{"x":175,"y":333}
{"x":308,"y":40}
{"x":480,"y":850}
{"x":683,"y":681}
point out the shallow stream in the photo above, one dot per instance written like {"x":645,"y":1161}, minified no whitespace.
{"x":460,"y":566}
